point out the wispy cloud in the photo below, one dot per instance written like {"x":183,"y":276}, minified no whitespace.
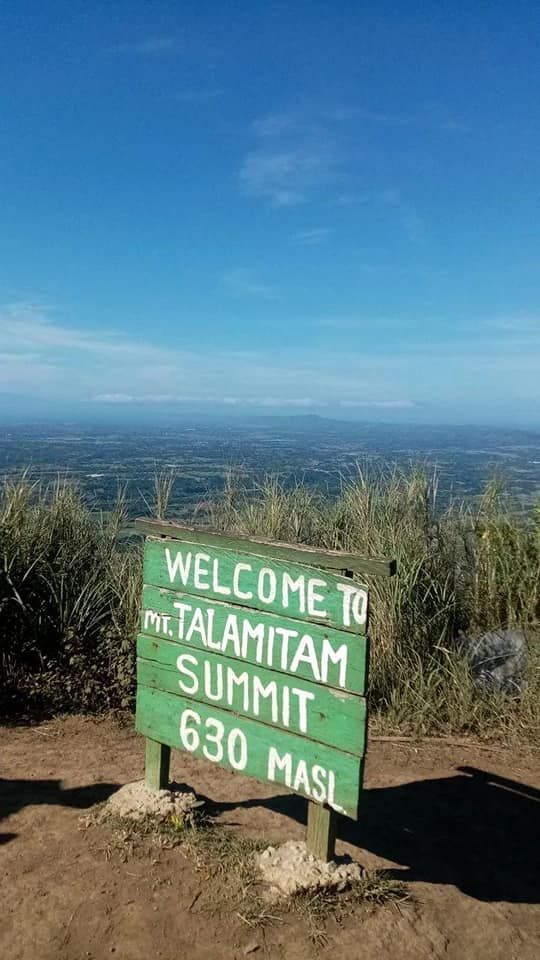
{"x":292,"y":157}
{"x":242,"y":282}
{"x":429,"y":117}
{"x":205,"y":399}
{"x":312,"y":237}
{"x":30,"y":327}
{"x":283,"y":177}
{"x":381,"y":404}
{"x":308,"y":153}
{"x":43,"y":358}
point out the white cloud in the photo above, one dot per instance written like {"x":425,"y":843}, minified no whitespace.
{"x":43,"y":359}
{"x":319,"y":154}
{"x":292,"y":158}
{"x":278,"y":176}
{"x":389,"y":404}
{"x":208,"y":399}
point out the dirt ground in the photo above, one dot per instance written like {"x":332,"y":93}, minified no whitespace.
{"x":459,"y":823}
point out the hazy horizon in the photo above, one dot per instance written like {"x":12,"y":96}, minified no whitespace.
{"x":133,"y":415}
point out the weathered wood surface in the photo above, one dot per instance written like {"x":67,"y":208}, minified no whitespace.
{"x":321,"y":831}
{"x":299,"y":553}
{"x":158,"y":758}
{"x":313,"y":770}
{"x":257,"y":663}
{"x":340,"y":657}
{"x":317,"y":712}
{"x":288,"y":589}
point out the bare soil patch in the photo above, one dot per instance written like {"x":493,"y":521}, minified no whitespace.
{"x":459,"y":822}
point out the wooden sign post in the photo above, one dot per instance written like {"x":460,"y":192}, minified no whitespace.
{"x":255,"y":659}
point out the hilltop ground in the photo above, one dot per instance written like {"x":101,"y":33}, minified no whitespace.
{"x":458,"y":821}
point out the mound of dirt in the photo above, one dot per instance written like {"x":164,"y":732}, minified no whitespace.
{"x":137,"y":800}
{"x":290,"y":868}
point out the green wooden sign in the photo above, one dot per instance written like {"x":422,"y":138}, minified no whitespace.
{"x":254,"y":662}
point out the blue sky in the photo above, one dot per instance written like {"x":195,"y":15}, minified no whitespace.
{"x":271,"y":207}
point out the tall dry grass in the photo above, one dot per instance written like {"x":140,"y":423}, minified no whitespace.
{"x":68,"y":599}
{"x":461,"y":570}
{"x":70,"y":588}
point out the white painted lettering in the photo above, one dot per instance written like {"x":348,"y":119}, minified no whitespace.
{"x":260,"y":691}
{"x":240,"y":680}
{"x":354,"y":604}
{"x":182,"y":608}
{"x":197,"y":625}
{"x":319,"y":787}
{"x":180,"y":566}
{"x":158,"y":622}
{"x":336,"y":657}
{"x":270,"y":647}
{"x":286,"y":706}
{"x":252,"y":633}
{"x":282,"y":764}
{"x":210,"y":625}
{"x":241,"y":594}
{"x":359,"y":607}
{"x":314,"y":597}
{"x":181,"y":662}
{"x":294,"y":586}
{"x":267,"y":585}
{"x":285,"y":635}
{"x":347,"y":590}
{"x":231,"y":635}
{"x":218,"y":587}
{"x":305,"y":653}
{"x":201,"y":571}
{"x":218,"y":693}
{"x":301,"y":779}
{"x":303,"y":697}
{"x":331,"y":787}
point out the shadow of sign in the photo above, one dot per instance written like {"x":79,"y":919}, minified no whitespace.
{"x":16,"y":794}
{"x":477,"y":831}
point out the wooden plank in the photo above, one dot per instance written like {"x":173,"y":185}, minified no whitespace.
{"x":312,"y":710}
{"x":292,"y":590}
{"x":321,"y":831}
{"x":299,"y":553}
{"x":158,"y":758}
{"x":340,"y":658}
{"x":313,"y":770}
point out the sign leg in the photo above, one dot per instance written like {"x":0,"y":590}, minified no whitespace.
{"x":321,"y":831}
{"x":158,"y":757}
